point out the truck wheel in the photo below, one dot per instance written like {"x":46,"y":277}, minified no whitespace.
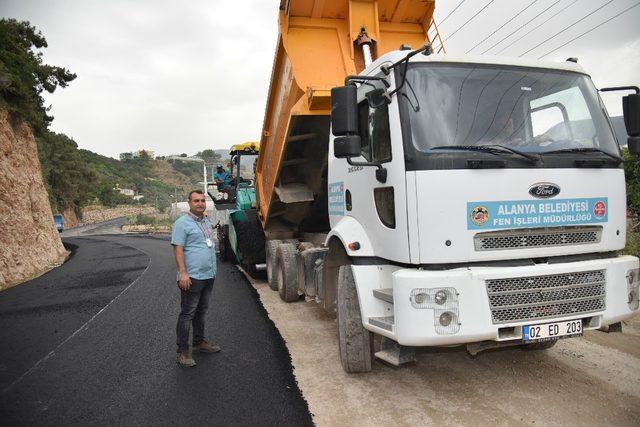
{"x":354,"y":340}
{"x":286,"y":272}
{"x":270,"y":252}
{"x":544,"y":345}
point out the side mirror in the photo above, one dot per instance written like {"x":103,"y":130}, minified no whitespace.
{"x":631,"y":112}
{"x":345,"y":147}
{"x":344,"y":110}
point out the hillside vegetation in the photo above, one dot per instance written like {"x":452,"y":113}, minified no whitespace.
{"x":160,"y":181}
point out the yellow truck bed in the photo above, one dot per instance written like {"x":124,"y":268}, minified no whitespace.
{"x":316,"y":50}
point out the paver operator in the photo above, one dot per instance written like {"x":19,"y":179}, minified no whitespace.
{"x":223,"y":178}
{"x":194,"y":250}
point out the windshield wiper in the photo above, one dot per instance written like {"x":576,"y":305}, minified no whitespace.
{"x":586,"y":150}
{"x":494,"y":149}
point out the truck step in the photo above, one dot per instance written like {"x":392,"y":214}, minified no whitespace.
{"x":383,"y":322}
{"x":394,"y":353}
{"x":385,"y":294}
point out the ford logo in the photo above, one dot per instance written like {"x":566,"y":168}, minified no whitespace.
{"x":544,"y":190}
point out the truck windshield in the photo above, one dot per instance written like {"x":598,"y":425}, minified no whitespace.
{"x":540,"y":111}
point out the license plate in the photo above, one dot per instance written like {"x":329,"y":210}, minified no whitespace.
{"x":552,"y":331}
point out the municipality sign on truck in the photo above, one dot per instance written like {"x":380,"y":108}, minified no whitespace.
{"x":535,"y":213}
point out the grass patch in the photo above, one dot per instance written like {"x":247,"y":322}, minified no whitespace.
{"x":633,"y":244}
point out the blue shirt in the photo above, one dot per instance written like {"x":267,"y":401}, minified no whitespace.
{"x":199,"y":258}
{"x":223,"y":176}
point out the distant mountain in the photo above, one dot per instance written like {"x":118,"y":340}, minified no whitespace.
{"x":224,"y":153}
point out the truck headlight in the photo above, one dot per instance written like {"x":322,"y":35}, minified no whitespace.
{"x":443,"y":302}
{"x":434,"y":298}
{"x":446,"y":322}
{"x":633,"y":285}
{"x":441,"y":297}
{"x":446,"y":318}
{"x":421,"y":298}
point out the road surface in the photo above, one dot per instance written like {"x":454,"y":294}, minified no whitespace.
{"x":93,"y":342}
{"x":112,"y":226}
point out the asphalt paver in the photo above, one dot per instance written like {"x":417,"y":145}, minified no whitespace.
{"x":96,"y":345}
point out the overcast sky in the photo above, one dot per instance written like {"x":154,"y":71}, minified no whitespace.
{"x":179,"y":77}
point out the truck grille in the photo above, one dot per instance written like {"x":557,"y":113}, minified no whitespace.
{"x":539,"y":297}
{"x":537,"y":238}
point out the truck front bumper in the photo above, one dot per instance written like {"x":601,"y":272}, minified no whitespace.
{"x":494,"y":303}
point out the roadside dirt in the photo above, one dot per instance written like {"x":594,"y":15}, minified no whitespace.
{"x":593,"y":380}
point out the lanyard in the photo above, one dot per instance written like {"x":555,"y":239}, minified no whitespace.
{"x":202,"y":225}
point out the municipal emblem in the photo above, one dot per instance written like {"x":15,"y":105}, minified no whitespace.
{"x":480,"y":215}
{"x":600,"y":209}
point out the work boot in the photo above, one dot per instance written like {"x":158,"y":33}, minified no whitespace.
{"x":205,"y":347}
{"x":185,"y":359}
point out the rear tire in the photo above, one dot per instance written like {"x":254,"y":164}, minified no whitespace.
{"x":270,"y":252}
{"x":536,"y":346}
{"x":353,"y":339}
{"x":286,"y":272}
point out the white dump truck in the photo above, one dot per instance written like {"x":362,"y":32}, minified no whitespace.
{"x":439,"y":200}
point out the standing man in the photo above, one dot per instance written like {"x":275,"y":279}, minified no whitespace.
{"x":194,"y":250}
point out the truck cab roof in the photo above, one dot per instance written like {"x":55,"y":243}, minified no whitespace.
{"x":397,"y":55}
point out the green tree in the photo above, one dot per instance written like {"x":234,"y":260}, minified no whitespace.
{"x":108,"y":196}
{"x":24,"y":76}
{"x":68,"y":179}
{"x":209,"y":156}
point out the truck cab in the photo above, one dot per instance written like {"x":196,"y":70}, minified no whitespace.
{"x":501,"y":206}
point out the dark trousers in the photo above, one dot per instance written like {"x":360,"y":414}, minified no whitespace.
{"x":193,"y":309}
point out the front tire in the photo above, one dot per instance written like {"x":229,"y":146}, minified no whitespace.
{"x":354,"y":340}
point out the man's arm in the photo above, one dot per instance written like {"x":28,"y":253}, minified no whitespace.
{"x":184,"y":282}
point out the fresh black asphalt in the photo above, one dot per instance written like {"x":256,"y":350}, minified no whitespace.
{"x":93,"y":342}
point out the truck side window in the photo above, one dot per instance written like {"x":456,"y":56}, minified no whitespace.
{"x":375,"y":139}
{"x":380,"y":136}
{"x":363,"y":123}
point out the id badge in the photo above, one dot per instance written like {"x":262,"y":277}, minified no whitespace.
{"x":209,"y":243}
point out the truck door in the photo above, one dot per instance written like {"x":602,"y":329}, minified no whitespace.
{"x":380,"y":207}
